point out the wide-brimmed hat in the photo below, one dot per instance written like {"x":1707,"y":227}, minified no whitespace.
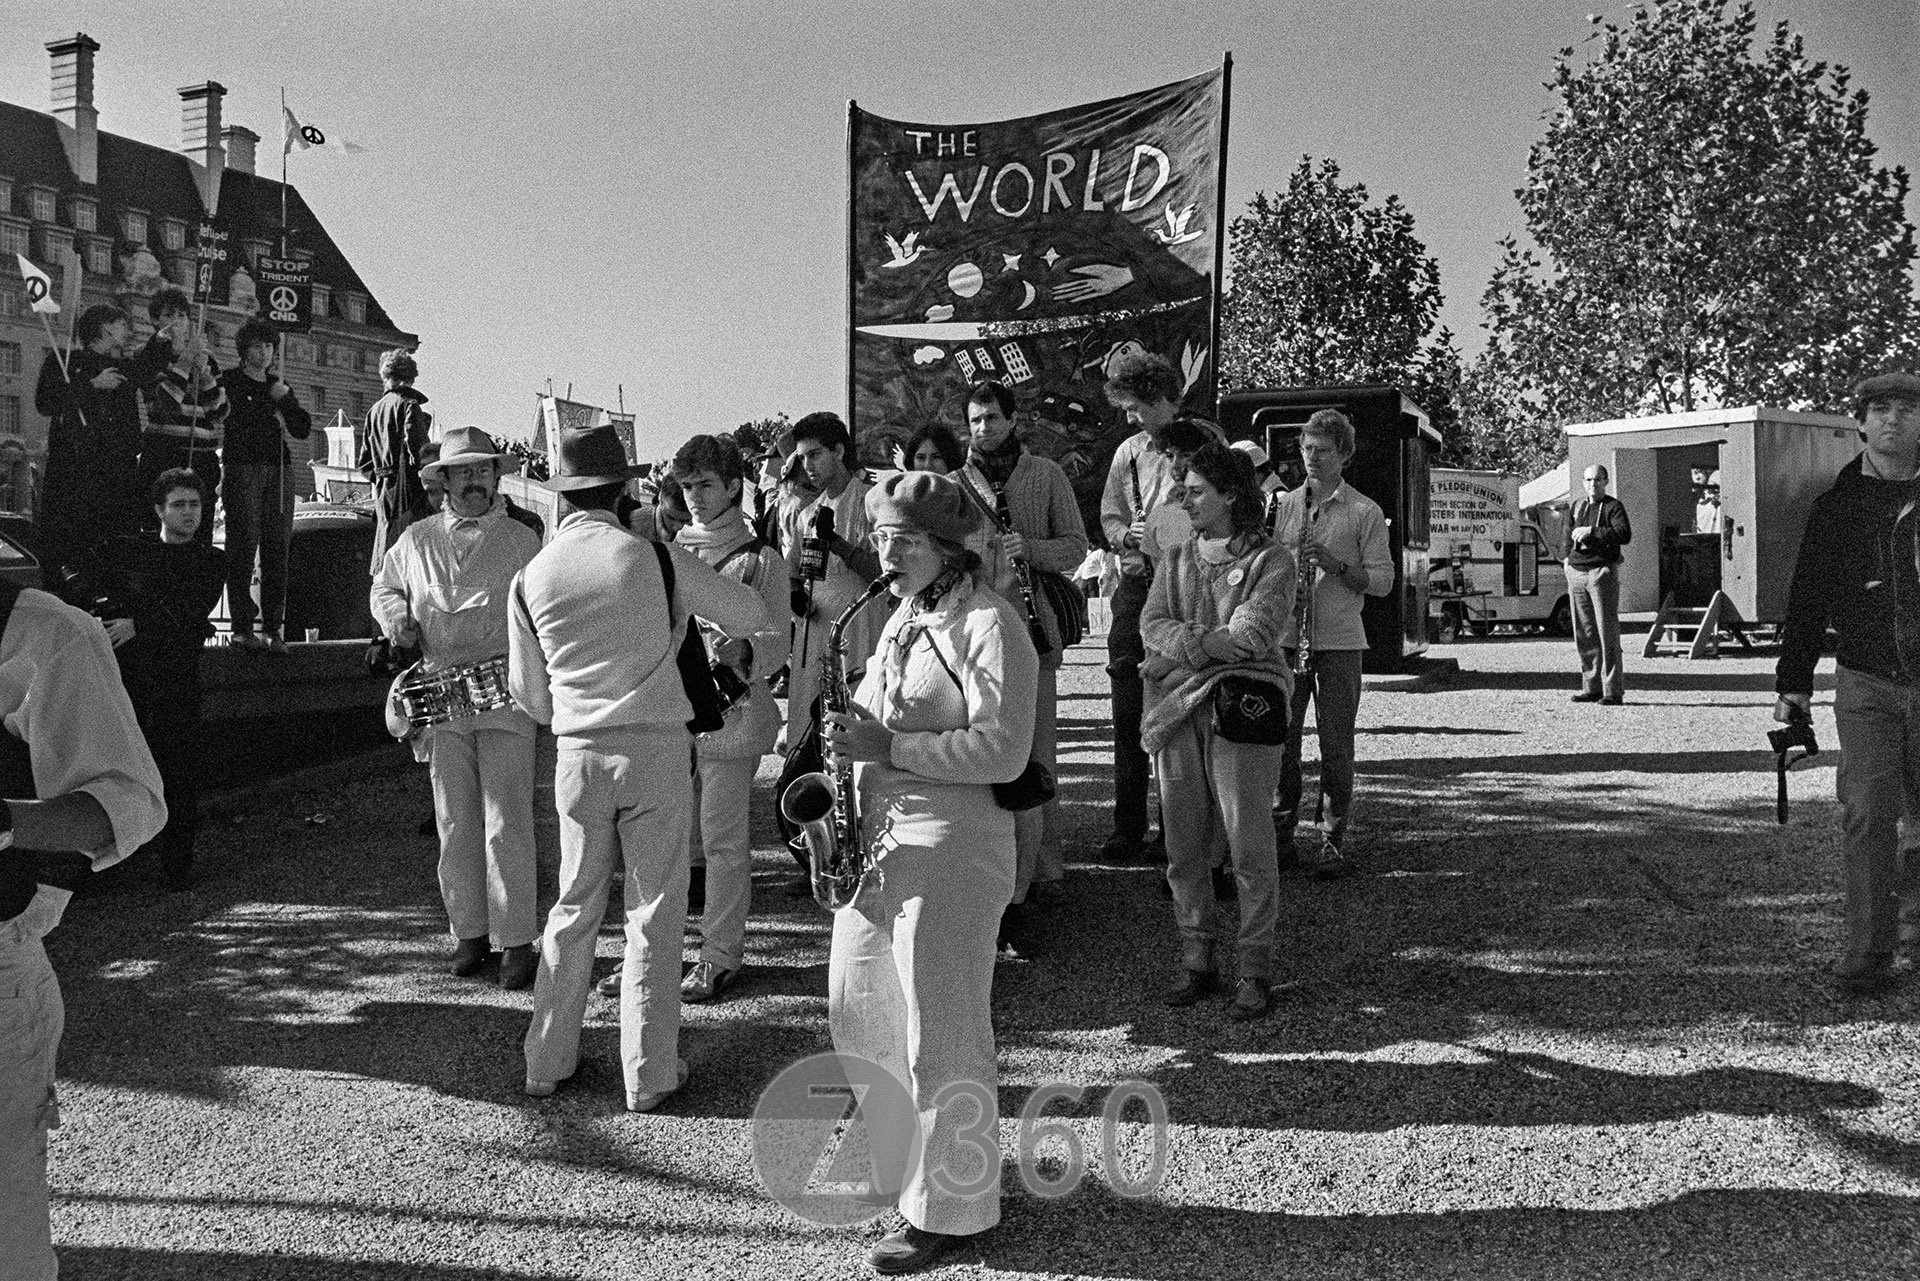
{"x":591,"y":456}
{"x":464,"y":445}
{"x":926,"y":501}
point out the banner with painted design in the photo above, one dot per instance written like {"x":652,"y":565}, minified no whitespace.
{"x":1033,"y":251}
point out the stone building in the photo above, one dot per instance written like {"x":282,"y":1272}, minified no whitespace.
{"x":130,"y":213}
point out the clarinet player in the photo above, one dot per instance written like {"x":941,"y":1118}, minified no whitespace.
{"x":1037,"y":524}
{"x":945,"y":711}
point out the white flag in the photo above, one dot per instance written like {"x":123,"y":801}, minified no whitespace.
{"x":39,"y":287}
{"x":300,"y":137}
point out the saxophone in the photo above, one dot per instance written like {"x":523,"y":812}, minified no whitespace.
{"x":823,"y":804}
{"x":1303,"y":583}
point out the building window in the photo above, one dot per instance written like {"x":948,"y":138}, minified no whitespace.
{"x":321,"y":295}
{"x":356,"y":308}
{"x":100,"y":257}
{"x":133,"y":226}
{"x":173,"y":235}
{"x":54,"y":243}
{"x":84,"y":216}
{"x":6,"y":195}
{"x":354,"y":406}
{"x":13,"y":239}
{"x":10,"y":416}
{"x":256,"y":250}
{"x":42,"y":204}
{"x":9,"y":303}
{"x":10,"y":358}
{"x":322,"y":355}
{"x":319,"y":399}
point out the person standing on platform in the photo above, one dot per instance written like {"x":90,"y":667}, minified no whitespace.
{"x":187,"y":406}
{"x":443,"y":588}
{"x":91,"y":494}
{"x":396,"y":431}
{"x":258,"y":490}
{"x":1600,"y":530}
{"x":1858,"y":573}
{"x":1146,"y":389}
{"x":595,"y":634}
{"x":829,"y":561}
{"x":1049,"y":535}
{"x":1339,"y":536}
{"x":81,"y":793}
{"x":168,"y":586}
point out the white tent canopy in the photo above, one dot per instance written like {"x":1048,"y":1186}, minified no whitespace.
{"x":1548,"y":488}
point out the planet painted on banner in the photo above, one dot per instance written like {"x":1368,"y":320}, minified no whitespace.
{"x":965,"y":280}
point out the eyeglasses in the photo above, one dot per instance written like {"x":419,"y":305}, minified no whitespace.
{"x":907,"y":540}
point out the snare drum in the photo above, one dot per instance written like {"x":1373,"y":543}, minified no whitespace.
{"x":422,"y":698}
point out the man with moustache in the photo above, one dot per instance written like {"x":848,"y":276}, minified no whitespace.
{"x":443,"y":587}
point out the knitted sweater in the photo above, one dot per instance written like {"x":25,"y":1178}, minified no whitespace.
{"x":1198,"y":589}
{"x":1040,"y":500}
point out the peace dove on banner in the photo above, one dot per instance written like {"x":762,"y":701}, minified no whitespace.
{"x":39,"y":288}
{"x":301,"y":137}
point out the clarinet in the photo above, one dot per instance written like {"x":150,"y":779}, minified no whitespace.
{"x":1022,"y":571}
{"x":1303,"y":588}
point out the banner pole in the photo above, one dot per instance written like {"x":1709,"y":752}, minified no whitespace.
{"x":853,"y":428}
{"x":284,"y":148}
{"x":1220,"y":232}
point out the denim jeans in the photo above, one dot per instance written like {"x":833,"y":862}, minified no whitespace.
{"x":259,"y":501}
{"x":1878,"y":783}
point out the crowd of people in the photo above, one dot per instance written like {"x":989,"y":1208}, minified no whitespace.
{"x":916,"y":621}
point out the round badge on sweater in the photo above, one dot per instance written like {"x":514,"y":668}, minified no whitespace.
{"x":1237,"y":577}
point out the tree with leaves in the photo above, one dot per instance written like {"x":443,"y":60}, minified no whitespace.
{"x":1329,"y":286}
{"x":1712,"y":230}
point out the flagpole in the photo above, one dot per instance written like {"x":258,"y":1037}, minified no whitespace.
{"x":54,"y":344}
{"x":285,"y":147}
{"x":852,"y":249}
{"x":1220,"y":231}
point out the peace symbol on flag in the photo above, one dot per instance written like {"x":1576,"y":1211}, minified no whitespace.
{"x":313,"y":136}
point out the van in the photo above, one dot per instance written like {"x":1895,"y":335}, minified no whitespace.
{"x":1486,"y":565}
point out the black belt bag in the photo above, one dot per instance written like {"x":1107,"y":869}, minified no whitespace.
{"x":1249,"y":710}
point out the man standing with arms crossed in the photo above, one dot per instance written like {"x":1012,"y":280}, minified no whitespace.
{"x":1859,"y":572}
{"x":1339,"y":536}
{"x":1146,"y":389}
{"x":594,"y":636}
{"x":443,"y":587}
{"x":1600,"y":530}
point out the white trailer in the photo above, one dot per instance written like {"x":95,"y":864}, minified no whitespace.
{"x":1487,"y":565}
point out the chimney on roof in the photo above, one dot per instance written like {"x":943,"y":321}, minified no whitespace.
{"x":200,"y":138}
{"x":240,"y":142}
{"x":73,"y":103}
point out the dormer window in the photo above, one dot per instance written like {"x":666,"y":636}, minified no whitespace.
{"x":6,"y":195}
{"x":322,"y":295}
{"x":133,"y":226}
{"x":100,"y":257}
{"x":173,"y":235}
{"x":42,"y":204}
{"x":256,"y":250}
{"x":356,"y":308}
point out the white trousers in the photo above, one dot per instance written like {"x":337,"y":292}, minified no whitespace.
{"x":483,"y":803}
{"x":31,"y":1020}
{"x":625,"y":796}
{"x":726,"y":788}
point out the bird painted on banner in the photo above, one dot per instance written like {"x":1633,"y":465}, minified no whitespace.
{"x":1176,"y":232}
{"x":904,"y":251}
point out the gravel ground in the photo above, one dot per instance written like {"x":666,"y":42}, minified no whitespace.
{"x":1571,"y":1023}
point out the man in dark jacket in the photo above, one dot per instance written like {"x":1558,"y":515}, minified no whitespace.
{"x":397,"y":430}
{"x":257,"y":489}
{"x":1600,"y":530}
{"x":92,"y":492}
{"x":1859,"y":572}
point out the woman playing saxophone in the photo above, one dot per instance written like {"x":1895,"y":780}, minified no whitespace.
{"x":944,"y":712}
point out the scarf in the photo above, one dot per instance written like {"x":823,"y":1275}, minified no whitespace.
{"x":997,"y":466}
{"x":714,"y":543}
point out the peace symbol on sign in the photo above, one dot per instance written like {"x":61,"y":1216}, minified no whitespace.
{"x":36,"y":289}
{"x":284,"y":298}
{"x":313,"y":135}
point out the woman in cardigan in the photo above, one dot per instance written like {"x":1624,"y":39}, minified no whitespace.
{"x":1216,"y":609}
{"x":944,"y":712}
{"x":1049,"y":534}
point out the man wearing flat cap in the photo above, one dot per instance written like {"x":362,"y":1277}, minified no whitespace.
{"x":594,"y":633}
{"x":443,"y":587}
{"x":1859,"y":573}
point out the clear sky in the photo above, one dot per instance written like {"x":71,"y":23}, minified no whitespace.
{"x":653,"y":195}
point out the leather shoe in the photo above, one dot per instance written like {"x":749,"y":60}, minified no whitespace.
{"x":610,"y":985}
{"x":517,"y":966}
{"x":536,"y":1088}
{"x":469,"y":955}
{"x":909,"y":1250}
{"x":705,"y":981}
{"x":648,"y":1102}
{"x":1193,"y":985}
{"x":1252,"y":998}
{"x":1870,"y":977}
{"x":1121,"y":848}
{"x":1613,"y":700}
{"x":1584,"y":697}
